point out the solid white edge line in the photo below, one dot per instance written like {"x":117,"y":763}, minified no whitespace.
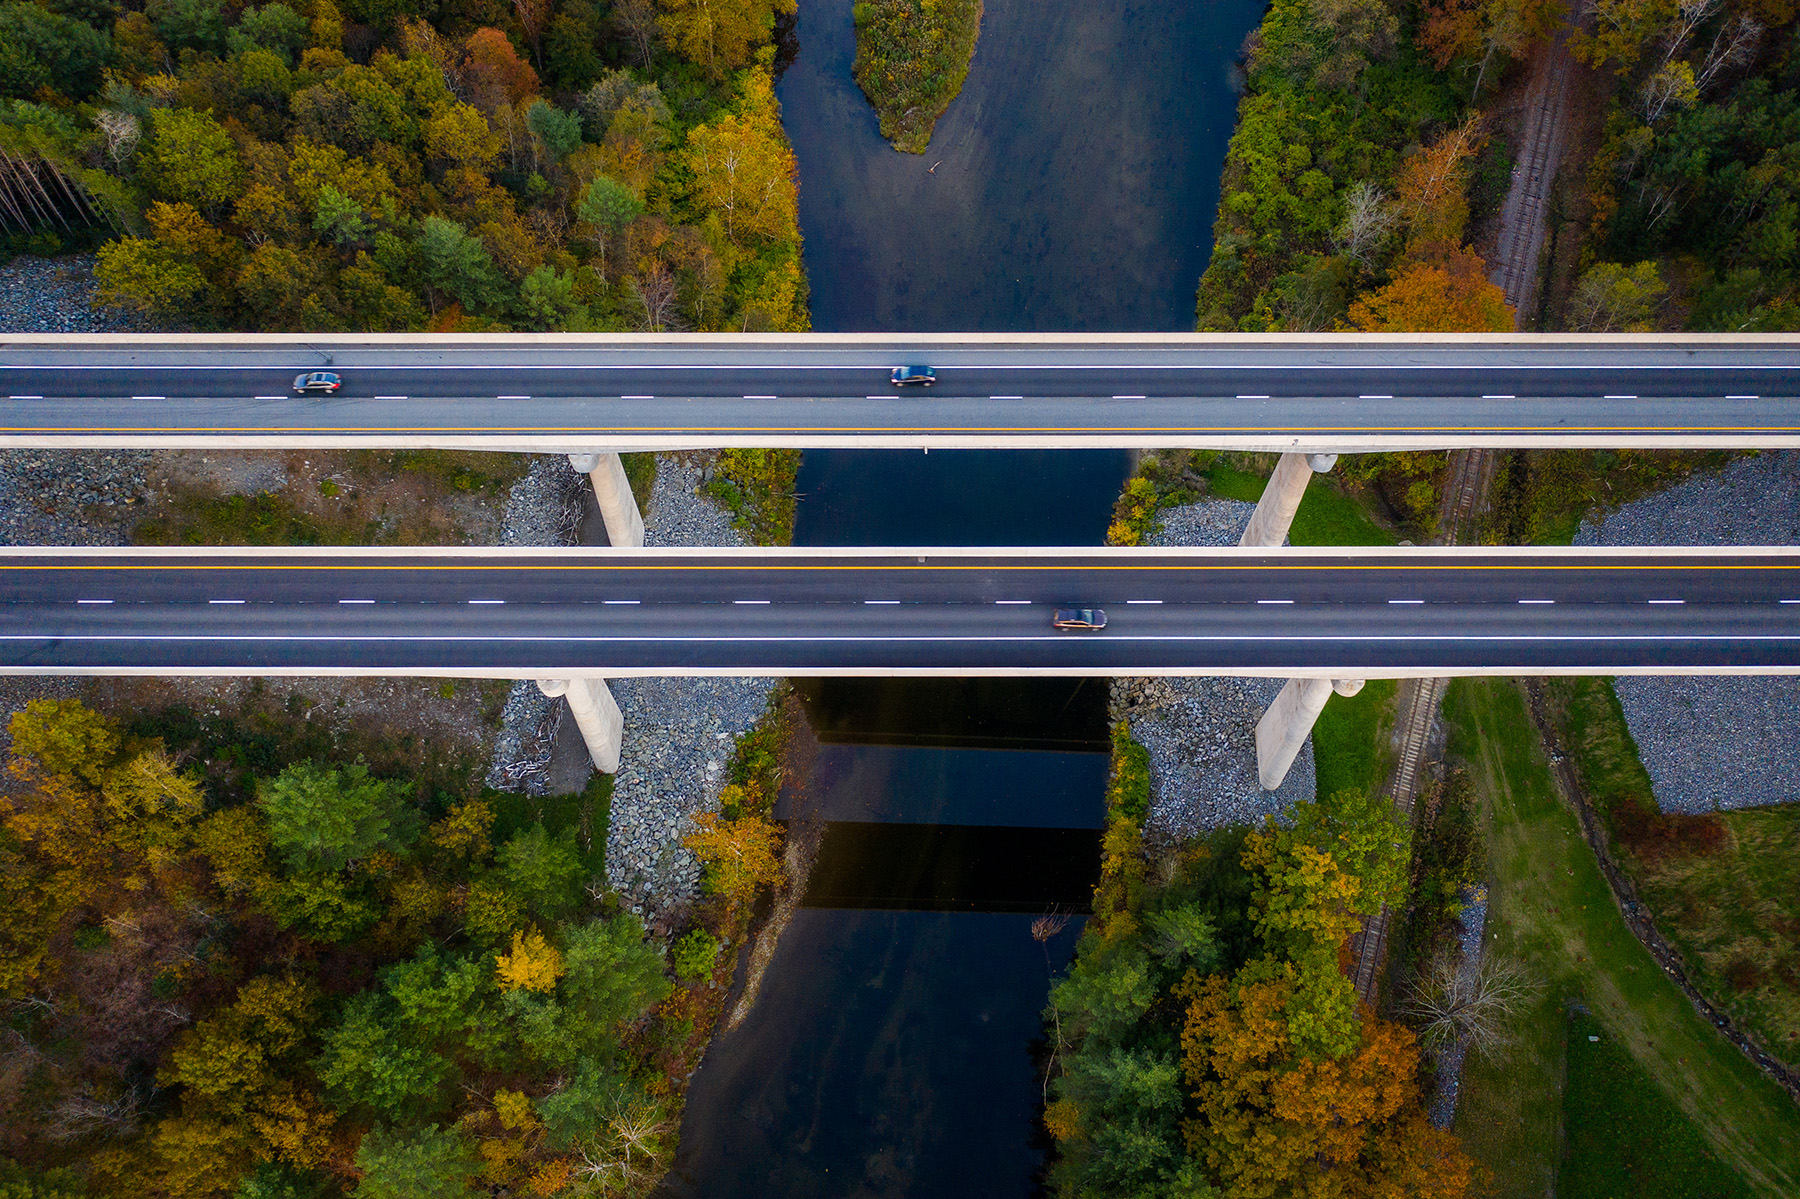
{"x":1253,"y":397}
{"x":1618,"y":397}
{"x":1645,"y":638}
{"x":512,"y":397}
{"x":1128,"y":397}
{"x":1743,"y":397}
{"x":149,"y":397}
{"x":1499,"y":397}
{"x":41,"y":397}
{"x":762,"y":397}
{"x":1374,"y":397}
{"x":1017,"y":397}
{"x":390,"y":397}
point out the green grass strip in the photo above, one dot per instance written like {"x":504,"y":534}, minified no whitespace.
{"x":1551,"y":910}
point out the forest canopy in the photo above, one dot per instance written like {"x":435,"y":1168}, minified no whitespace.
{"x":392,"y":165}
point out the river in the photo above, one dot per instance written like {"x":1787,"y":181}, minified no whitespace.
{"x":893,"y":1049}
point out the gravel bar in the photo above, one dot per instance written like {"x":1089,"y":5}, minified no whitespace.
{"x":1722,"y":742}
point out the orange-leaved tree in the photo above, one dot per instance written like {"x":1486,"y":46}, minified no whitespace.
{"x":1273,"y":1121}
{"x":1447,"y":292}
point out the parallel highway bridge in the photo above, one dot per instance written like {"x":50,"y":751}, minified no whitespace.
{"x":569,"y":393}
{"x":595,"y":613}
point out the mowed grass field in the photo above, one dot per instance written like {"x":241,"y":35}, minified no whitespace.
{"x":1550,"y":909}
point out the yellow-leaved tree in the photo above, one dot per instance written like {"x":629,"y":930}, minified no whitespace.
{"x":533,"y":965}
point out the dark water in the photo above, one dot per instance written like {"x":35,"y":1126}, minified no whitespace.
{"x":891,"y":1051}
{"x":1076,"y":175}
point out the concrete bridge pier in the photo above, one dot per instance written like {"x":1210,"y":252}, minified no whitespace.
{"x":1281,"y":497}
{"x":1284,"y":727}
{"x":618,"y":508}
{"x":596,"y":714}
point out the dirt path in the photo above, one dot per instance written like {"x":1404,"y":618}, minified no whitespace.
{"x":1525,"y":214}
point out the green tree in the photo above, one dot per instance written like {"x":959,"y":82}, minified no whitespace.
{"x":274,"y":26}
{"x":609,"y":205}
{"x":41,"y":49}
{"x":338,"y":217}
{"x":323,"y":819}
{"x":193,"y":159}
{"x":429,"y":1163}
{"x":547,"y":300}
{"x":371,"y":1060}
{"x":189,"y":24}
{"x":560,"y":131}
{"x":545,"y":871}
{"x":459,"y":265}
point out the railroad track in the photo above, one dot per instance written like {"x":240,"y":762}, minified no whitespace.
{"x":1524,"y":216}
{"x":1471,"y":474}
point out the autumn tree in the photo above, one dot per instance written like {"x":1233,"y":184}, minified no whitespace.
{"x":740,"y":856}
{"x":1611,"y":298}
{"x":719,"y":35}
{"x":192,"y":159}
{"x":1273,"y":1120}
{"x":427,"y":1163}
{"x":744,"y":170}
{"x":1450,"y":294}
{"x":534,"y":964}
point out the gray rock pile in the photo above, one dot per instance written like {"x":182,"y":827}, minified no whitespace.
{"x":1714,"y":742}
{"x":1201,"y":732}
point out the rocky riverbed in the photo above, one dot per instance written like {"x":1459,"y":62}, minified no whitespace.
{"x":1201,"y":732}
{"x":1714,"y":742}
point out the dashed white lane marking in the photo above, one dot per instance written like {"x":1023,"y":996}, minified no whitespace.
{"x":1012,"y":601}
{"x":1406,"y":601}
{"x":881,"y":601}
{"x":224,"y":601}
{"x":1795,"y":601}
{"x":1667,"y":601}
{"x":621,"y":601}
{"x":357,"y":601}
{"x":1274,"y":601}
{"x":109,"y":601}
{"x":749,"y":601}
{"x":487,"y":601}
{"x":1143,"y":601}
{"x":1537,"y":601}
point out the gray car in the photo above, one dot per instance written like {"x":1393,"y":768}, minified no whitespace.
{"x":323,"y":381}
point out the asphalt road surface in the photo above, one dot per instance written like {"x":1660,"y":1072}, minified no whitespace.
{"x":512,"y":614}
{"x":573,"y":394}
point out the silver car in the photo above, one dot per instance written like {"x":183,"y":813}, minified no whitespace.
{"x":317,"y":381}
